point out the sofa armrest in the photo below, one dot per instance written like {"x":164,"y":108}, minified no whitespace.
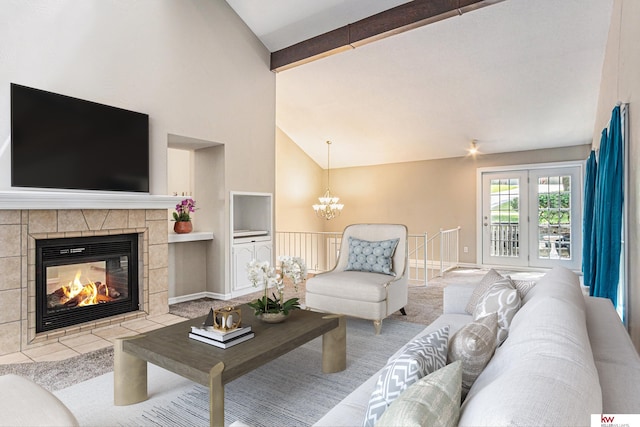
{"x":456,"y":297}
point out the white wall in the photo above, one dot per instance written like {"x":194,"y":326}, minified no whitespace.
{"x":192,"y":65}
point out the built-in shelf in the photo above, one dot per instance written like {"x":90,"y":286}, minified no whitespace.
{"x":190,"y":237}
{"x":16,"y":199}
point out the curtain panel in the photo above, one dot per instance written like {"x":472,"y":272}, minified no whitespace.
{"x":606,"y":229}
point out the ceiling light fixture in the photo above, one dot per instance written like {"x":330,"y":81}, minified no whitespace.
{"x":328,"y":208}
{"x":474,"y":147}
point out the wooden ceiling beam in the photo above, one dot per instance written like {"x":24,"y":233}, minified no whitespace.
{"x":399,"y":19}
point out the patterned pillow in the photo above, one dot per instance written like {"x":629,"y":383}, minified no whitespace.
{"x":489,"y":279}
{"x":432,"y":401}
{"x":474,"y":345}
{"x":501,"y":298}
{"x":373,"y":257}
{"x":523,"y":286}
{"x":419,"y":358}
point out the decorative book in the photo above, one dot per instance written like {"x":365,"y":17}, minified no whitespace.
{"x":214,"y":334}
{"x":222,"y":344}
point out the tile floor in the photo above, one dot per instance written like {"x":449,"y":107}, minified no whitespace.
{"x":83,"y":343}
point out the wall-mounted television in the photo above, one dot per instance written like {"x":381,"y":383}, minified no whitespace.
{"x":60,"y":142}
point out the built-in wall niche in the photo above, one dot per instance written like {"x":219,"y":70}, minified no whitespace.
{"x":251,"y":217}
{"x":251,"y":227}
{"x":180,"y":170}
{"x":195,"y":168}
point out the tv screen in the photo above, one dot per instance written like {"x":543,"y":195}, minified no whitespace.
{"x":67,"y":143}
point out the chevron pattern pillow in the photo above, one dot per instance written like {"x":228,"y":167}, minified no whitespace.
{"x":419,"y":358}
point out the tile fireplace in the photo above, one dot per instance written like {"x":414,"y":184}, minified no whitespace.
{"x":80,"y":279}
{"x":25,"y":232}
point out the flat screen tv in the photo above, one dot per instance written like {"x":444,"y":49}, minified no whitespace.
{"x":60,"y":142}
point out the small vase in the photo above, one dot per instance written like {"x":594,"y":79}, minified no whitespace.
{"x":272,"y":317}
{"x":183,"y":227}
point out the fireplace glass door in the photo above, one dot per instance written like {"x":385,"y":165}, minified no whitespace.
{"x":84,"y":279}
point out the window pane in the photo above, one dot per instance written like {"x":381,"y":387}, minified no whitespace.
{"x":554,"y":217}
{"x":505,"y":217}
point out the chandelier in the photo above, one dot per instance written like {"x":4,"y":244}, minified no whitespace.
{"x":328,"y":208}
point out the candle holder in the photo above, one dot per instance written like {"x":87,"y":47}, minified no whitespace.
{"x":226,"y":319}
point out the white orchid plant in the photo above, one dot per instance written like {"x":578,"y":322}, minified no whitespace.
{"x":262,"y":273}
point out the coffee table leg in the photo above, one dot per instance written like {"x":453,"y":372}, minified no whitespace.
{"x":216,"y":396}
{"x":129,"y":376}
{"x":334,"y":347}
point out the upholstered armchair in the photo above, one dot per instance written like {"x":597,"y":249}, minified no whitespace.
{"x":369,"y":280}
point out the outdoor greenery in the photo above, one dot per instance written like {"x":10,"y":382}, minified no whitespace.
{"x":553,"y":208}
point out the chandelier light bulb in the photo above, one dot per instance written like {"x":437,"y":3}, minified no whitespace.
{"x":328,"y":208}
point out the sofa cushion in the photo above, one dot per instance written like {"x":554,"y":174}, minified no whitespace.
{"x":432,"y":401}
{"x":504,"y":300}
{"x":373,"y":257}
{"x":474,"y":345}
{"x":420,"y":357}
{"x":489,"y":279}
{"x":544,"y":374}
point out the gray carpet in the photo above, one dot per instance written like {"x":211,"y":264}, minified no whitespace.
{"x":61,"y":374}
{"x":288,"y":391}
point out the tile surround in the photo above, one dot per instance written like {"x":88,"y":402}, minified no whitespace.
{"x":19,"y":230}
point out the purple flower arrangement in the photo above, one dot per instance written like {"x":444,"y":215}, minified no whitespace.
{"x":183,"y":209}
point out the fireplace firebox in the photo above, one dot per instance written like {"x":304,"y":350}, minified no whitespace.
{"x":81,"y":279}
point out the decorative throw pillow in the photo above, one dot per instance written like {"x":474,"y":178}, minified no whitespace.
{"x":373,"y":257}
{"x":419,"y":358}
{"x":503,"y":299}
{"x":474,"y":345}
{"x":523,"y":286}
{"x":432,"y":401}
{"x":489,"y":279}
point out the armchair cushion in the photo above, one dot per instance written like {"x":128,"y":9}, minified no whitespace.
{"x":351,"y":285}
{"x":373,"y":257}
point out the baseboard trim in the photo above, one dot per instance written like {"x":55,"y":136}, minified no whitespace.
{"x":198,"y":295}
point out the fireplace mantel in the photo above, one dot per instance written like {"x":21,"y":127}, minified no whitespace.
{"x":16,"y":199}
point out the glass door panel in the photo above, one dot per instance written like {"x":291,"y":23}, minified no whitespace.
{"x":503,"y":216}
{"x":556,"y":196}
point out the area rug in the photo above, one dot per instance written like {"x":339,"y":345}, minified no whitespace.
{"x":288,"y":391}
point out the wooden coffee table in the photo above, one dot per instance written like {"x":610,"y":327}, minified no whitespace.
{"x":172,"y":349}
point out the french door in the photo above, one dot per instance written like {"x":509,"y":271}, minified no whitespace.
{"x":532,"y":217}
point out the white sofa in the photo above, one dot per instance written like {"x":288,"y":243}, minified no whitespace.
{"x":567,"y":356}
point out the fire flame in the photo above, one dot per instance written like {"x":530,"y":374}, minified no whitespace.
{"x":84,"y":295}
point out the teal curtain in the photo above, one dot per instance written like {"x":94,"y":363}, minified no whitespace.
{"x":588,"y":242}
{"x":607,"y":213}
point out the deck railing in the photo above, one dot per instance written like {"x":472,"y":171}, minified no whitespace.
{"x":429,"y":257}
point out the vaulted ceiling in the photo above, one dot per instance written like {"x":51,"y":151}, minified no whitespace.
{"x":514,"y":75}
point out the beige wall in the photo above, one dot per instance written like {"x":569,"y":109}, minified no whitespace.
{"x":425,"y":195}
{"x":299,"y":183}
{"x":621,"y":83}
{"x":193,"y":66}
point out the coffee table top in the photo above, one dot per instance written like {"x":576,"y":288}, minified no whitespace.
{"x":171,"y":348}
